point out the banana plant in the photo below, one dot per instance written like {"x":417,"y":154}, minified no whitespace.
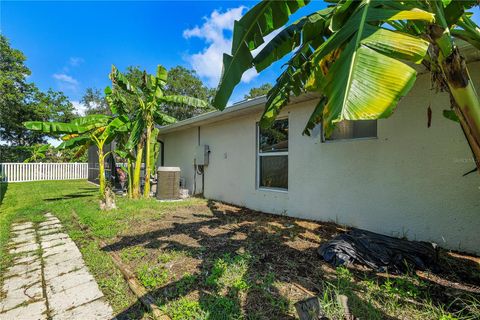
{"x":357,"y":54}
{"x":150,"y":97}
{"x":128,"y":169}
{"x":154,"y":145}
{"x":118,"y":105}
{"x":123,"y":152}
{"x":37,"y":152}
{"x":85,"y":131}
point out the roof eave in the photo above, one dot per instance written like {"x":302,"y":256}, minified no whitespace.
{"x":243,"y":108}
{"x":257,"y":104}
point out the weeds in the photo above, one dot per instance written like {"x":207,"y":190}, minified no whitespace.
{"x":405,"y":297}
{"x":185,"y":309}
{"x":152,"y":276}
{"x":229,"y":272}
{"x":219,"y":307}
{"x":185,"y":283}
{"x":404,"y":287}
{"x":133,"y":253}
{"x":230,"y":286}
{"x":170,"y":255}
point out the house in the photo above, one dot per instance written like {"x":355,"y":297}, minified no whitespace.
{"x":394,"y":176}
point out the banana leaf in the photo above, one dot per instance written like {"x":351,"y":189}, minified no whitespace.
{"x":248,"y":34}
{"x":302,"y":31}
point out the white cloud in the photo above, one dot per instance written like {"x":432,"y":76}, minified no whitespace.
{"x":66,"y":82}
{"x":79,"y":107}
{"x":249,"y":75}
{"x":208,"y":62}
{"x":72,"y":62}
{"x":75,"y":61}
{"x":62,"y":77}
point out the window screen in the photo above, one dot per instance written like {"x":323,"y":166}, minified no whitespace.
{"x":272,"y":156}
{"x":274,"y":139}
{"x":358,"y":129}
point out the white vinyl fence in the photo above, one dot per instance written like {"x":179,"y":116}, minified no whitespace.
{"x":22,"y":172}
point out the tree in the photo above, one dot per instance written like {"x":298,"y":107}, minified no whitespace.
{"x":258,"y":91}
{"x":147,"y":110}
{"x":14,"y":153}
{"x":21,"y":101}
{"x":47,"y":153}
{"x":180,"y":81}
{"x":185,"y":82}
{"x":13,"y":74}
{"x":353,"y":54}
{"x":37,"y":152}
{"x":95,"y":102}
{"x":127,"y":104}
{"x":35,"y":106}
{"x":82,"y":132}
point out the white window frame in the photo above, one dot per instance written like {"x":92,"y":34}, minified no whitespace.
{"x":267,"y":154}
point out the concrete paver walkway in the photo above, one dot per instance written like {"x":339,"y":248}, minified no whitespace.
{"x":48,"y":278}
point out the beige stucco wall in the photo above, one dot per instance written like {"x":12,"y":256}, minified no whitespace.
{"x":408,"y":182}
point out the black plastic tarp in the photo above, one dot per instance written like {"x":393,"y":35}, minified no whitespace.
{"x":379,"y":252}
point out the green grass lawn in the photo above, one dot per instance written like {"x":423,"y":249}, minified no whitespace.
{"x":69,"y":201}
{"x":29,"y":201}
{"x":201,"y":259}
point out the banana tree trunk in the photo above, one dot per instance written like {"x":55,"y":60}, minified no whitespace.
{"x":130,"y":177}
{"x":101,"y":174}
{"x":455,"y":73}
{"x":137,"y":171}
{"x":467,"y":105}
{"x":146,"y":189}
{"x":469,"y":119}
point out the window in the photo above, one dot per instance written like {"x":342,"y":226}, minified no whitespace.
{"x":353,"y":129}
{"x":272,"y":156}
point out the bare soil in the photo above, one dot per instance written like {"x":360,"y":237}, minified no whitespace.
{"x":188,"y":240}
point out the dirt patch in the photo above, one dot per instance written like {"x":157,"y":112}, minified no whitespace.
{"x":253,"y":264}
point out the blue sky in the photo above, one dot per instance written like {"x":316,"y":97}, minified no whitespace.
{"x":70,"y":46}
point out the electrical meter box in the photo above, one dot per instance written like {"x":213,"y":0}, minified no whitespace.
{"x":201,"y":155}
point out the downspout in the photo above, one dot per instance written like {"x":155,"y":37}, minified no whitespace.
{"x":201,"y":168}
{"x":198,"y":169}
{"x":195,"y":167}
{"x":162,"y":153}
